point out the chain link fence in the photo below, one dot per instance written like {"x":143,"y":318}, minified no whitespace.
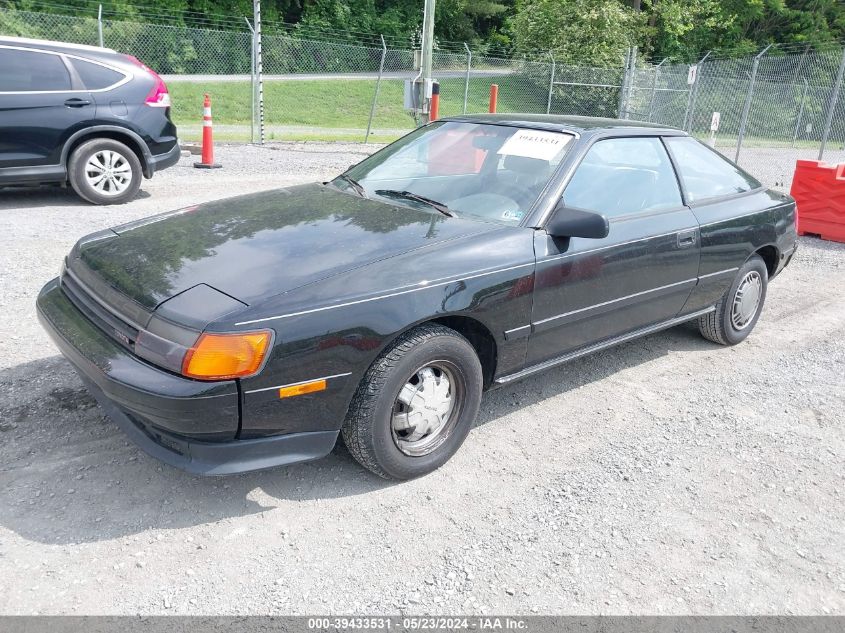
{"x":763,"y":111}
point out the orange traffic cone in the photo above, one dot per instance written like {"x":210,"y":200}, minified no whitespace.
{"x":207,"y":138}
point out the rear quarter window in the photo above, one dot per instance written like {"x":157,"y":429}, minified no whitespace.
{"x":96,"y":76}
{"x":705,"y":173}
{"x":31,"y":71}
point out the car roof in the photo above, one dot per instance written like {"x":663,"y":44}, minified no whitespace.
{"x":66,"y":47}
{"x":565,"y":123}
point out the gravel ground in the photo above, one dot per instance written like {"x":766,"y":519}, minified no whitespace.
{"x":666,"y":476}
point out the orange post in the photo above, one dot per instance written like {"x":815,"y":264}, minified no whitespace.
{"x":207,"y":138}
{"x":435,"y":102}
{"x":494,"y":97}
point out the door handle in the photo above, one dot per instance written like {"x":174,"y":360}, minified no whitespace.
{"x":76,"y":102}
{"x":686,"y":239}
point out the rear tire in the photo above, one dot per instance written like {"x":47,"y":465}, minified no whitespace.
{"x":739,"y":309}
{"x":104,"y":171}
{"x":416,"y":404}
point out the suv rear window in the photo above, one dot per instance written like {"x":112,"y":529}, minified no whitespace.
{"x":95,"y":76}
{"x":30,"y":71}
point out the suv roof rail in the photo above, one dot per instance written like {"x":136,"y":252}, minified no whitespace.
{"x":27,"y":40}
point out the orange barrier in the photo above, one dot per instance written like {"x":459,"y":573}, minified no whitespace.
{"x":819,"y":192}
{"x":207,"y":138}
{"x":435,"y":102}
{"x":494,"y":97}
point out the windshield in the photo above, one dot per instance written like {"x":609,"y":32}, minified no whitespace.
{"x":489,"y":172}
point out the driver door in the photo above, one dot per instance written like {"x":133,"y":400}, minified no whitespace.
{"x":591,"y":290}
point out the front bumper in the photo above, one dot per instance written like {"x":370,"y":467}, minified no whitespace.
{"x":218,"y":458}
{"x":186,"y":423}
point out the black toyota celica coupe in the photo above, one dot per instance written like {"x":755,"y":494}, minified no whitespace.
{"x":250,"y":332}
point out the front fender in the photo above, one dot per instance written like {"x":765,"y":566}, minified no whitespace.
{"x":340,"y":339}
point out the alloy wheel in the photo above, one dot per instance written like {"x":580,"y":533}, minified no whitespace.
{"x":108,"y":172}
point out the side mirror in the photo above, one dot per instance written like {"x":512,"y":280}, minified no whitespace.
{"x":572,"y":222}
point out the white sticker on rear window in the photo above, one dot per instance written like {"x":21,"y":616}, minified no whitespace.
{"x":535,"y":144}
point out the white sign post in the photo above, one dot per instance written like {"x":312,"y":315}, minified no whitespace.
{"x":692,"y":74}
{"x":714,"y":127}
{"x":714,"y":122}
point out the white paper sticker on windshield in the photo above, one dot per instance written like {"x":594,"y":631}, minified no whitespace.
{"x":535,"y":144}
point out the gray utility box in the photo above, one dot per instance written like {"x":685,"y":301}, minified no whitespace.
{"x":417,"y":95}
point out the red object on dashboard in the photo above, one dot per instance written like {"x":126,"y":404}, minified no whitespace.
{"x":453,"y":153}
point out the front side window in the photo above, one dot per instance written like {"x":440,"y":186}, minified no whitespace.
{"x":30,"y":71}
{"x":706,"y":173}
{"x":620,"y":176}
{"x":489,"y":172}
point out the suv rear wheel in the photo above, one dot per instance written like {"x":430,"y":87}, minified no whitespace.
{"x":104,"y":171}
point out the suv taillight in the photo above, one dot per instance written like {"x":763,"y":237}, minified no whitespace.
{"x":158,"y":97}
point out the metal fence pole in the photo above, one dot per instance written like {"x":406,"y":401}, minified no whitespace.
{"x":378,"y":86}
{"x":624,"y":85}
{"x":800,"y":64}
{"x":800,"y":112}
{"x":100,"y":25}
{"x":252,"y":84}
{"x":834,"y":98}
{"x":692,"y":93}
{"x":259,"y":68}
{"x":746,"y":109}
{"x":632,"y":83}
{"x":654,"y":88}
{"x":466,"y":81}
{"x":551,"y":84}
{"x":632,"y":78}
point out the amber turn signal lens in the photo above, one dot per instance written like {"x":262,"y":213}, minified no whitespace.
{"x":222,"y":356}
{"x":306,"y":387}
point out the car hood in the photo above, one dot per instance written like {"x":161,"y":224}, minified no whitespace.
{"x":260,"y":245}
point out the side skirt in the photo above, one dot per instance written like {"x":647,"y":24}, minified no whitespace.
{"x":34,"y":174}
{"x":596,"y":347}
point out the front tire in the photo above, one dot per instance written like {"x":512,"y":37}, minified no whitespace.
{"x":739,"y":309}
{"x":416,"y":404}
{"x":104,"y":171}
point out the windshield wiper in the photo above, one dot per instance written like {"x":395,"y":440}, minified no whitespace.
{"x":409,"y":195}
{"x":359,"y":189}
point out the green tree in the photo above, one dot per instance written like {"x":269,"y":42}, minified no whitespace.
{"x":682,"y":29}
{"x":586,"y":32}
{"x":467,"y":20}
